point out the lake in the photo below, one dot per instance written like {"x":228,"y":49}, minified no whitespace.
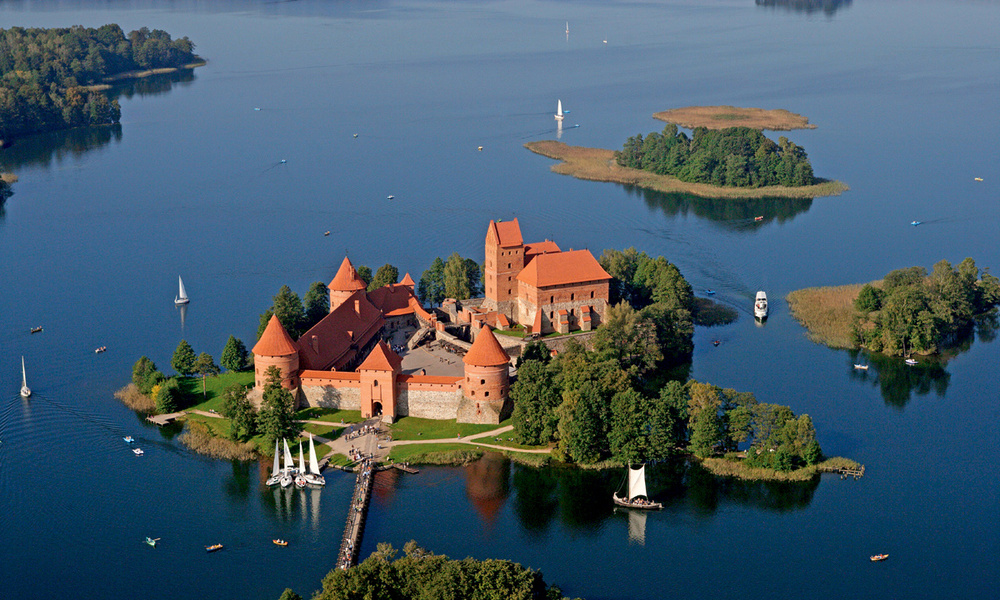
{"x":192,"y":183}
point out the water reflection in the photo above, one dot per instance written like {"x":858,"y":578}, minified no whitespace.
{"x":487,"y":483}
{"x":897,"y":381}
{"x":735,"y":215}
{"x":239,"y":483}
{"x":828,"y":7}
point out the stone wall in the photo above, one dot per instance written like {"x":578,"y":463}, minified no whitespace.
{"x":344,"y":397}
{"x":428,"y":402}
{"x":559,"y":343}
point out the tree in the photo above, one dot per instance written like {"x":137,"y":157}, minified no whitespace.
{"x":582,"y":418}
{"x":184,"y":359}
{"x":288,"y":594}
{"x":204,"y":365}
{"x":234,"y":355}
{"x":534,"y":350}
{"x":288,"y":308}
{"x":628,"y":339}
{"x":869,"y":298}
{"x":238,"y":409}
{"x":276,"y":418}
{"x":364,"y":273}
{"x":705,"y":433}
{"x":145,"y":375}
{"x":668,"y":421}
{"x":536,"y":397}
{"x":265,"y":318}
{"x":456,"y":278}
{"x":629,"y":432}
{"x":168,"y":397}
{"x":385,"y":275}
{"x":431,"y":285}
{"x":316,"y":304}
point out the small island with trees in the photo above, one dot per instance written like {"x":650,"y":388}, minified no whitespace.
{"x":907,"y":312}
{"x":726,"y":156}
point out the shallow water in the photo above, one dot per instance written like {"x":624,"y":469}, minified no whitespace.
{"x":103,"y":221}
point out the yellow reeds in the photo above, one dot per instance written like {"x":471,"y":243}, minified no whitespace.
{"x":827,"y":312}
{"x":720,"y":117}
{"x":136,"y":400}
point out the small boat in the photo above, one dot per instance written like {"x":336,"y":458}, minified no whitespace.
{"x":25,"y":390}
{"x":283,"y":161}
{"x":879,"y":557}
{"x":279,"y":542}
{"x":100,"y":349}
{"x":137,"y":451}
{"x":36,"y":329}
{"x":213,"y":548}
{"x":300,"y":479}
{"x":979,"y":178}
{"x":355,"y":135}
{"x":182,"y":297}
{"x":313,"y":476}
{"x":152,"y":541}
{"x":710,"y":292}
{"x":390,"y":197}
{"x":128,"y":439}
{"x":637,"y":497}
{"x":559,"y":110}
{"x":275,"y":477}
{"x":256,"y":108}
{"x":759,"y":218}
{"x":326,"y":233}
{"x":860,"y":367}
{"x":760,"y":306}
{"x":910,"y":361}
{"x":915,"y":223}
{"x":716,"y":342}
{"x":480,"y":148}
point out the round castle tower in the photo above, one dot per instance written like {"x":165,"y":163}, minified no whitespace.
{"x":345,"y":283}
{"x":276,"y":348}
{"x":487,"y":383}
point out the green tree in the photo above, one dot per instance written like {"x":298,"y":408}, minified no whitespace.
{"x":385,"y":275}
{"x":168,"y":397}
{"x":204,"y":365}
{"x":288,"y":594}
{"x":316,"y":304}
{"x":456,"y":278}
{"x":629,"y":339}
{"x":705,"y":433}
{"x":365,"y":273}
{"x":289,"y":310}
{"x":582,"y":418}
{"x":234,"y":355}
{"x":431,"y":286}
{"x":536,"y":397}
{"x":184,"y":359}
{"x":145,"y":375}
{"x":265,"y":318}
{"x":238,"y":409}
{"x":276,"y":418}
{"x":630,"y":427}
{"x":869,"y":299}
{"x":668,"y":421}
{"x":534,"y":350}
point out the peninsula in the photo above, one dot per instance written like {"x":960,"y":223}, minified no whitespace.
{"x":597,"y":164}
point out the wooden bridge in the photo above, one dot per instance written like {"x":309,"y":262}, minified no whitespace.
{"x":350,"y":545}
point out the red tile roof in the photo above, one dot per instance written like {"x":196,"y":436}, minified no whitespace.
{"x":435,"y":379}
{"x":407,"y":280}
{"x":275,"y":341}
{"x":349,"y":376}
{"x":486,"y":350}
{"x":337,"y":345}
{"x":546,"y":247}
{"x":381,"y":358}
{"x":505,"y":234}
{"x":346,"y":279}
{"x":562,"y":268}
{"x":392,"y":300}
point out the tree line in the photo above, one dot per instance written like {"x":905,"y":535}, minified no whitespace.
{"x":458,"y":278}
{"x":44,"y":73}
{"x":734,"y":157}
{"x":165,"y":391}
{"x":915,"y":312}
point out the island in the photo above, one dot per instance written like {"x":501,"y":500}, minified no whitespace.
{"x":907,"y":312}
{"x":722,"y":117}
{"x":54,"y":78}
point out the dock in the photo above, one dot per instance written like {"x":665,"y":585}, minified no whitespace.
{"x":845,"y":472}
{"x":406,"y":468}
{"x":354,"y":529}
{"x":162,"y":420}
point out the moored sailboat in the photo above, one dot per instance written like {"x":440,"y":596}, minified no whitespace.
{"x":637,"y":497}
{"x":300,"y":479}
{"x":25,"y":390}
{"x":275,"y":477}
{"x":182,"y":297}
{"x":286,"y":474}
{"x":313,"y":477}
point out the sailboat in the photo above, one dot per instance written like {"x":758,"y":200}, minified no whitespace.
{"x":300,"y":479}
{"x":275,"y":477}
{"x":182,"y":297}
{"x":313,"y":477}
{"x":559,"y":110}
{"x":286,"y":475}
{"x":25,"y":390}
{"x":637,"y":497}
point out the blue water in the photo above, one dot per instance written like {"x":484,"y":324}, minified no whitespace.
{"x":192,"y":184}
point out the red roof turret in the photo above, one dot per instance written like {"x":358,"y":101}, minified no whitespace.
{"x":347,"y":278}
{"x":275,"y":341}
{"x":381,"y":358}
{"x":486,"y":350}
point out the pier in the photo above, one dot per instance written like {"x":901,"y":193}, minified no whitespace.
{"x":354,"y":529}
{"x":844,"y":472}
{"x":162,"y":420}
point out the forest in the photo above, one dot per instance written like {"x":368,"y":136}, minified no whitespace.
{"x":733,"y":157}
{"x":912,"y":311}
{"x":44,"y":73}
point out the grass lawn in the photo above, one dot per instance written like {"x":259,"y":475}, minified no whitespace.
{"x":214,"y":386}
{"x":337,"y":460}
{"x":333,"y":415}
{"x":330,"y":433}
{"x":434,"y":453}
{"x":515,"y":331}
{"x":413,"y":428}
{"x":510,"y":443}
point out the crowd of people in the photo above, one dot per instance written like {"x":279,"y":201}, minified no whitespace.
{"x":355,"y":515}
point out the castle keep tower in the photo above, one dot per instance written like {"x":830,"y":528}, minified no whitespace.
{"x":378,"y":383}
{"x":345,"y":283}
{"x":504,"y":260}
{"x":486,"y":382}
{"x":276,"y":348}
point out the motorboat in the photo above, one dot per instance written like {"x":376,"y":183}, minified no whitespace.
{"x":559,"y":110}
{"x":637,"y":497}
{"x":979,"y":178}
{"x":915,"y":223}
{"x":326,"y":233}
{"x":710,"y":292}
{"x":910,"y":361}
{"x":861,"y":367}
{"x":760,"y":306}
{"x":182,"y":297}
{"x":25,"y":390}
{"x":879,"y":557}
{"x":716,"y":342}
{"x":313,"y":476}
{"x":100,"y":349}
{"x":213,"y":548}
{"x":137,"y":451}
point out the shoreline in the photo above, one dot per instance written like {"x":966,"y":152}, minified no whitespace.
{"x":726,"y":467}
{"x":597,"y":164}
{"x":722,"y":117}
{"x":127,"y":75}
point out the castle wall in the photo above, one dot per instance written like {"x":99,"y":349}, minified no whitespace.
{"x":428,"y":401}
{"x":330,"y":390}
{"x":571,"y":298}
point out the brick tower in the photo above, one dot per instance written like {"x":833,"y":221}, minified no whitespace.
{"x":276,"y":348}
{"x":345,"y":283}
{"x":504,"y":260}
{"x":378,"y":382}
{"x":486,"y":384}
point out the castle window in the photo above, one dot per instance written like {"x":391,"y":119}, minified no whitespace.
{"x":508,"y":265}
{"x":375,"y":383}
{"x":550,"y":315}
{"x":482,"y":382}
{"x":591,"y":294}
{"x":472,"y":392}
{"x":508,"y":290}
{"x":486,"y":394}
{"x":552,"y":299}
{"x":572,"y":297}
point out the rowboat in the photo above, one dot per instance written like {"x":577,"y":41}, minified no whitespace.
{"x":36,"y":329}
{"x":152,"y":541}
{"x":759,"y":218}
{"x":910,"y":361}
{"x":128,"y":439}
{"x":861,"y":367}
{"x":280,"y":542}
{"x":213,"y":548}
{"x":879,"y":557}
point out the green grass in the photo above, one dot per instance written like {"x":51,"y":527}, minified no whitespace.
{"x":515,"y":331}
{"x":330,"y":433}
{"x":413,"y":428}
{"x":338,"y":460}
{"x":435,"y":454}
{"x":332,"y":415}
{"x":510,"y":443}
{"x":212,"y":400}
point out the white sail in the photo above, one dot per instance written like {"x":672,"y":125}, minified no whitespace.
{"x":289,"y":463}
{"x":559,"y":111}
{"x":313,"y":463}
{"x":302,"y":461}
{"x":181,"y":292}
{"x":276,"y":469}
{"x":25,"y":390}
{"x":637,"y":482}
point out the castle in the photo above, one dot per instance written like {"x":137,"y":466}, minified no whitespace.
{"x":344,"y":362}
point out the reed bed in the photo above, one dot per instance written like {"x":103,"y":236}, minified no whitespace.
{"x":8,"y":177}
{"x":826,"y":312}
{"x":597,"y":164}
{"x":725,"y":467}
{"x":721,"y":117}
{"x":131,"y":397}
{"x":199,"y":438}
